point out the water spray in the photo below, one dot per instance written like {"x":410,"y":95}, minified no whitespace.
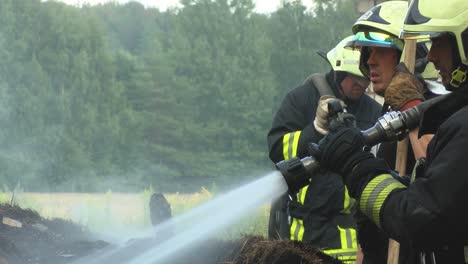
{"x":169,"y":239}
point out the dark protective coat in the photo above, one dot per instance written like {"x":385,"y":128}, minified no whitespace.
{"x":429,"y":216}
{"x":374,"y":242}
{"x":323,"y":205}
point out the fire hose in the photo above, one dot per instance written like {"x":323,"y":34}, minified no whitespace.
{"x":392,"y":126}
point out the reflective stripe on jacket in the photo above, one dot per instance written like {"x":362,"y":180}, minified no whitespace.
{"x":321,"y":212}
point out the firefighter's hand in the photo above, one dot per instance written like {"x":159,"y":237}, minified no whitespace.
{"x":404,"y":90}
{"x":342,"y":149}
{"x":321,"y":120}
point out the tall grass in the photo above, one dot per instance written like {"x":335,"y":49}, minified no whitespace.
{"x":123,"y":213}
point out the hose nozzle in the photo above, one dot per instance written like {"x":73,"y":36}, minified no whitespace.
{"x":297,"y":172}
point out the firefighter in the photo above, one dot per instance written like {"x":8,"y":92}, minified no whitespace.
{"x":377,"y":36}
{"x":430,"y":214}
{"x":319,"y":214}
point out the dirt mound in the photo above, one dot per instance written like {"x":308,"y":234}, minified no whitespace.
{"x":247,"y":250}
{"x":253,"y":249}
{"x":26,"y":237}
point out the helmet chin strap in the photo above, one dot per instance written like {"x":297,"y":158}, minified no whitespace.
{"x":339,"y":76}
{"x":459,"y":76}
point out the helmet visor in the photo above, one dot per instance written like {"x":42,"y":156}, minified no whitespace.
{"x":419,"y":35}
{"x":375,"y":39}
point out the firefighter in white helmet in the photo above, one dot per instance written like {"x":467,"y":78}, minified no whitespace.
{"x":320,"y":213}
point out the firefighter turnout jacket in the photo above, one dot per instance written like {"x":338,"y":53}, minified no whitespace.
{"x":430,"y":214}
{"x":320,"y":213}
{"x":373,"y":241}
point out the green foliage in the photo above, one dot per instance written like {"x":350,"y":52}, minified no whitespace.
{"x":122,"y":97}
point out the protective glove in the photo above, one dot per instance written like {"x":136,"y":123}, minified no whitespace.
{"x":341,"y":151}
{"x":403,"y":89}
{"x":321,"y":115}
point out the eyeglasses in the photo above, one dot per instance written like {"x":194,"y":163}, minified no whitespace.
{"x":377,"y":39}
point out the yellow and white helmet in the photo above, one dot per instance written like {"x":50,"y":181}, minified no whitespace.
{"x":380,"y":26}
{"x":343,"y":59}
{"x":429,"y":19}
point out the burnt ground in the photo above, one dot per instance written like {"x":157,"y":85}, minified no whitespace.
{"x":56,"y":241}
{"x":40,"y":240}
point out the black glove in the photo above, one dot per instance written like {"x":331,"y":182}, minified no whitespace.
{"x":341,"y":151}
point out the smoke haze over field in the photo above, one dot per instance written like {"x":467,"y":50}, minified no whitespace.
{"x":262,"y":6}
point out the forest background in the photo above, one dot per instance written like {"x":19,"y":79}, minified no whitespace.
{"x":121,"y":97}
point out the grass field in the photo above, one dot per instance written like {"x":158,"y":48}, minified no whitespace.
{"x":122,"y":213}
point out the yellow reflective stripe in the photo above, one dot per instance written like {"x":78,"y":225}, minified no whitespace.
{"x":343,"y":252}
{"x":290,"y":144}
{"x":354,"y":243}
{"x":293,"y":229}
{"x":300,"y":235}
{"x":348,"y":251}
{"x":348,"y":202}
{"x":348,"y":242}
{"x":347,"y":256}
{"x":297,"y":226}
{"x":375,"y":193}
{"x":346,"y":208}
{"x":297,"y":134}
{"x":302,"y":194}
{"x":297,"y":229}
{"x":348,"y":238}
{"x":286,"y":146}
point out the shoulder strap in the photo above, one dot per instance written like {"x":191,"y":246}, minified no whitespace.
{"x":319,"y":81}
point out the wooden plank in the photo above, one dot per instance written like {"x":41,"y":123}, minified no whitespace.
{"x":402,"y":148}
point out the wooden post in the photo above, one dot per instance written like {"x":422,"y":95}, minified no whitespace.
{"x":402,"y":148}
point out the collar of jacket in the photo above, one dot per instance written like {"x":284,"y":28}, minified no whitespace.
{"x":436,"y":114}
